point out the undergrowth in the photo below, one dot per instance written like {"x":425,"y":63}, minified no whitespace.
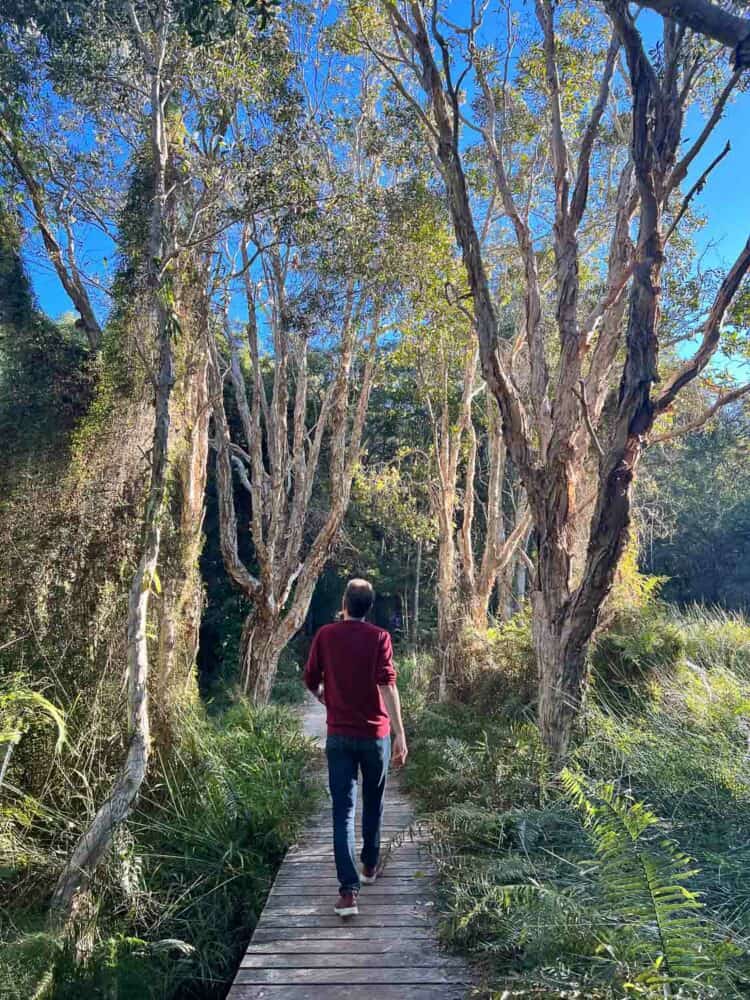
{"x":629,"y":875}
{"x":170,"y":912}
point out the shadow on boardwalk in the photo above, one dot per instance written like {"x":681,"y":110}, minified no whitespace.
{"x":302,"y":951}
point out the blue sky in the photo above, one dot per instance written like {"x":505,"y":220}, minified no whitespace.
{"x":726,"y":198}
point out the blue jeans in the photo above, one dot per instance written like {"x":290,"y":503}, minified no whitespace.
{"x":346,"y":756}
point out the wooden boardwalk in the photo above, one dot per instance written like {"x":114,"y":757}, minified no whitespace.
{"x":302,"y":951}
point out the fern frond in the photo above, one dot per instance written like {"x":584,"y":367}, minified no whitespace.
{"x":15,"y":707}
{"x":643,"y":873}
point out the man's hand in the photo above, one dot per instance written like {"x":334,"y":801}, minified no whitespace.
{"x":400,"y":751}
{"x":320,"y":694}
{"x":392,"y":701}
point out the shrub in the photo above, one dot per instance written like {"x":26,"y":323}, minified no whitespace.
{"x":503,"y":673}
{"x":714,"y":637}
{"x":640,"y":646}
{"x":288,"y":688}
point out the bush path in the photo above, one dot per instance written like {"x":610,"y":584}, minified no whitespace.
{"x":301,"y":950}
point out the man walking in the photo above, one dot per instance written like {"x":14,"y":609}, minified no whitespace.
{"x":350,"y":670}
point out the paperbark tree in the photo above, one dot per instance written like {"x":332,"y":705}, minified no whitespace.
{"x":471,"y":563}
{"x":318,"y":258}
{"x":481,"y":513}
{"x":151,"y":50}
{"x":553,"y":438}
{"x":288,"y":438}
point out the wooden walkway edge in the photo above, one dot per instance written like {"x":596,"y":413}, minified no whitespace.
{"x":301,"y":950}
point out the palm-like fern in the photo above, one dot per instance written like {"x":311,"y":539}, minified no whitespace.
{"x":19,"y":706}
{"x":644,"y":873}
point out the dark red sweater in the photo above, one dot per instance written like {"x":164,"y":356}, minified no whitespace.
{"x":350,"y":659}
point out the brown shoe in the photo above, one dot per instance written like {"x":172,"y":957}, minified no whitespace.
{"x":346,"y":905}
{"x":368,"y":875}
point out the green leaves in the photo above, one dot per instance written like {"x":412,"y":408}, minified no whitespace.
{"x":217,"y":20}
{"x":20,"y":708}
{"x":643,"y":874}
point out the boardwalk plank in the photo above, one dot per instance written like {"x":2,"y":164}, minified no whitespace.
{"x":324,"y":870}
{"x":332,"y":946}
{"x":320,"y":879}
{"x":410,"y":834}
{"x":351,"y":992}
{"x":304,"y":854}
{"x":316,"y":908}
{"x":314,"y":920}
{"x":405,"y":975}
{"x":417,"y":873}
{"x":265,"y":934}
{"x":300,"y":889}
{"x":416,"y":959}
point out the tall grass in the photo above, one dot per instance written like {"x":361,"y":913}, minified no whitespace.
{"x":716,"y":637}
{"x":634,"y":878}
{"x":170,"y":912}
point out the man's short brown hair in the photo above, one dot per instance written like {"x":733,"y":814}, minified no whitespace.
{"x":359,"y":597}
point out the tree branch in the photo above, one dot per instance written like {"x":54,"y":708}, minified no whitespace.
{"x":709,"y":19}
{"x":694,"y":425}
{"x":696,"y":189}
{"x":69,"y":276}
{"x":680,"y":170}
{"x":711,"y":331}
{"x":581,"y":397}
{"x":581,"y":189}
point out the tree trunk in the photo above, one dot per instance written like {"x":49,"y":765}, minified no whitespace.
{"x":260,"y":649}
{"x":181,"y":604}
{"x":455,"y":611}
{"x":445,"y":653}
{"x":96,"y":839}
{"x":505,"y":593}
{"x":562,"y":676}
{"x":6,"y":752}
{"x":522,"y":568}
{"x":417,"y":584}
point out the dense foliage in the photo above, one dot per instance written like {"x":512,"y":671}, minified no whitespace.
{"x":44,"y":382}
{"x":628,"y":876}
{"x":182,"y":890}
{"x":700,"y":498}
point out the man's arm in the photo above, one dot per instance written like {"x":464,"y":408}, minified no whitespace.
{"x":392,"y":701}
{"x":386,"y":681}
{"x":313,"y":676}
